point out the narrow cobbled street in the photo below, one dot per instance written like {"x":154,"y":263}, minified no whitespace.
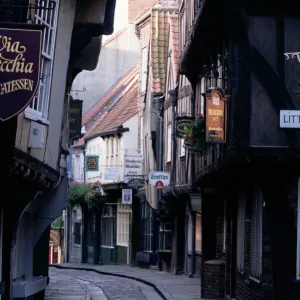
{"x":84,"y":285}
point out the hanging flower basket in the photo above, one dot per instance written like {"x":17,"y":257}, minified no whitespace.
{"x":82,"y":192}
{"x":194,"y":138}
{"x":93,"y":196}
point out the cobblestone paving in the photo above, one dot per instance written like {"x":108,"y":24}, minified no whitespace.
{"x":83,"y":285}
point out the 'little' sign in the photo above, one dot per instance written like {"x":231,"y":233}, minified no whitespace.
{"x":290,"y":119}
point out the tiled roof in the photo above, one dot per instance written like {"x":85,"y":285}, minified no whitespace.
{"x":160,"y":32}
{"x":124,"y":109}
{"x":91,"y":116}
{"x":121,"y":111}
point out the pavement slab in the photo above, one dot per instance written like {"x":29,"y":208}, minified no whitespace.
{"x":167,"y":285}
{"x":81,"y":284}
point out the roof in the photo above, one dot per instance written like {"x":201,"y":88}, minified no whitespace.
{"x":123,"y":109}
{"x":160,"y":32}
{"x":101,"y":106}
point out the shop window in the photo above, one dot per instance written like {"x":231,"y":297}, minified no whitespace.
{"x":256,"y":235}
{"x":48,"y":18}
{"x":241,"y":214}
{"x":147,"y":227}
{"x":77,"y":233}
{"x":123,"y":224}
{"x":107,"y":226}
{"x":165,"y":237}
{"x":198,"y":233}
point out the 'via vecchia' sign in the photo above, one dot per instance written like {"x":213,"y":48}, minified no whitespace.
{"x":20,"y":63}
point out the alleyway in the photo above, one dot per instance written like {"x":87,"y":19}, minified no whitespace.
{"x":83,"y":285}
{"x":121,"y":282}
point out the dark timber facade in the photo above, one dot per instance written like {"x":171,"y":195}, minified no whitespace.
{"x":249,"y":185}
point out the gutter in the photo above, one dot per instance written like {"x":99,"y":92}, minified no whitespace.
{"x":106,"y":133}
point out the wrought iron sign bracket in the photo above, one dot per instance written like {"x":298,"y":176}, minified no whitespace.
{"x":79,"y":91}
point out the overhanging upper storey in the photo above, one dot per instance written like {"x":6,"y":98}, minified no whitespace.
{"x":93,"y":18}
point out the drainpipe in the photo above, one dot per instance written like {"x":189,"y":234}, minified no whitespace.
{"x":83,"y":211}
{"x":84,"y":155}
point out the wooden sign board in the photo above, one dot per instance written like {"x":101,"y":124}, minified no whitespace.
{"x":215,"y":116}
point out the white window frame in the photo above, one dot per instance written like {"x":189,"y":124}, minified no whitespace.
{"x":169,"y":143}
{"x":256,"y":235}
{"x":241,"y":216}
{"x":123,"y":224}
{"x":39,"y":107}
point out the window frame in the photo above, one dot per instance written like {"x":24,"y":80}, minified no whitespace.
{"x":77,"y":233}
{"x":163,"y":233}
{"x":123,"y":224}
{"x":107,"y":221}
{"x":147,"y":227}
{"x":39,"y":107}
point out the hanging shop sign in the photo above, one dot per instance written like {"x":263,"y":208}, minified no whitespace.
{"x":182,"y":123}
{"x":126,"y":196}
{"x":136,"y":183}
{"x":75,"y":118}
{"x":92,"y":163}
{"x":20,"y":65}
{"x":215,"y":116}
{"x":159,"y":179}
{"x":133,"y":165}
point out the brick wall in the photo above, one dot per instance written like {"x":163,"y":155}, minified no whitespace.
{"x":137,"y":7}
